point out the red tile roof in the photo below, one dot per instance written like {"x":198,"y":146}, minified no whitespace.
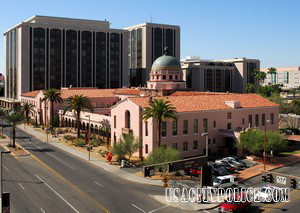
{"x":195,"y":93}
{"x":91,"y":93}
{"x":31,"y":94}
{"x":209,"y":102}
{"x":127,"y":91}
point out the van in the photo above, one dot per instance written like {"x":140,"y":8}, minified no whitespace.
{"x":225,"y":181}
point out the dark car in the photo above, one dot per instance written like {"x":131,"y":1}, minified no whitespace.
{"x":227,"y":166}
{"x":217,"y":169}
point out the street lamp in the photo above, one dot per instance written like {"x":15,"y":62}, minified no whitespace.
{"x":265,"y":143}
{"x":2,"y":152}
{"x":204,"y":134}
{"x":89,"y":147}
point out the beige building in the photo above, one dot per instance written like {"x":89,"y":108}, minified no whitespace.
{"x":231,"y":75}
{"x":50,"y":52}
{"x":146,"y":43}
{"x":287,"y":76}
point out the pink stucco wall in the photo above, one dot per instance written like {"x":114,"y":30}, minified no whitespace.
{"x":220,"y":116}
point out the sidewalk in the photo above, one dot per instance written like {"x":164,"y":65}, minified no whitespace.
{"x":277,"y":162}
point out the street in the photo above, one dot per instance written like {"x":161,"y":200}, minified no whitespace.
{"x":60,"y":182}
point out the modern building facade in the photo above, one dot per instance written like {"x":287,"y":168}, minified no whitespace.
{"x":289,"y":77}
{"x":146,"y":43}
{"x":50,"y":52}
{"x":231,"y":75}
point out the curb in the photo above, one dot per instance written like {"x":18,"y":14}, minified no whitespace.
{"x":16,"y":155}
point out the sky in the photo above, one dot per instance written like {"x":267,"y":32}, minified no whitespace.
{"x":267,"y":30}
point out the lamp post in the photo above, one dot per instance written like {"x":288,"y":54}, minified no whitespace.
{"x":5,"y":152}
{"x":205,"y":134}
{"x":89,"y":147}
{"x":265,"y":143}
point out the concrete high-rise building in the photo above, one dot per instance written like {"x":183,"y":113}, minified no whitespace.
{"x":51,"y":52}
{"x":146,"y":43}
{"x":231,"y":75}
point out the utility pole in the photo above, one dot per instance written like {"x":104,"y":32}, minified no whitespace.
{"x":89,"y":147}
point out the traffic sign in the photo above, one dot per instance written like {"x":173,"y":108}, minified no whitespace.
{"x":281,"y":180}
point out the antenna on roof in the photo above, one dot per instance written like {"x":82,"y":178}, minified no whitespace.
{"x":71,"y":86}
{"x":151,"y":18}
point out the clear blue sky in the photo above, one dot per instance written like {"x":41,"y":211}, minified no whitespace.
{"x":212,"y":29}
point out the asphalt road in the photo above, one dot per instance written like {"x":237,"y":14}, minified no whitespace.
{"x":64,"y":183}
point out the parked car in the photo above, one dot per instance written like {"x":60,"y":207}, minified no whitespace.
{"x":195,"y":170}
{"x":237,"y":166}
{"x":236,"y":160}
{"x":225,"y":181}
{"x":217,"y":170}
{"x":234,"y":204}
{"x":227,"y":166}
{"x":268,"y":194}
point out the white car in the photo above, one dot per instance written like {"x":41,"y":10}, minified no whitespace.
{"x":269,"y":194}
{"x":225,"y":181}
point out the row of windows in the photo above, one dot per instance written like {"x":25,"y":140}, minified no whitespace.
{"x":185,"y":130}
{"x":185,"y":146}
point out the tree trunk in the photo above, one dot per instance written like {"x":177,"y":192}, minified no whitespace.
{"x":78,"y":124}
{"x":14,"y":137}
{"x":52,"y":116}
{"x":159,"y":134}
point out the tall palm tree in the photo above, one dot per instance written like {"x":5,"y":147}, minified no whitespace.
{"x":27,"y":110}
{"x":78,"y":103}
{"x":14,"y":119}
{"x":54,"y":96}
{"x":272,"y":71}
{"x":159,"y":110}
{"x":259,"y":76}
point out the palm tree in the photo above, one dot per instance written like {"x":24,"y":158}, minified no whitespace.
{"x":14,"y":119}
{"x":250,"y":88}
{"x":159,"y":110}
{"x":54,"y":96}
{"x":3,"y":113}
{"x":78,"y":103}
{"x":259,"y":76}
{"x":26,"y":110}
{"x":272,"y":71}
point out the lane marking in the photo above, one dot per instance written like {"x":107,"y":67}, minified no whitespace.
{"x":138,"y":208}
{"x":88,"y":197}
{"x":22,"y":186}
{"x":6,"y":168}
{"x":42,"y":210}
{"x":57,"y":194}
{"x":155,"y":210}
{"x":98,"y":184}
{"x":61,"y":161}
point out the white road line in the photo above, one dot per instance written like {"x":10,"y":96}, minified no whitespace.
{"x":22,"y":186}
{"x":138,"y":208}
{"x":155,"y":210}
{"x":6,"y":168}
{"x":206,"y":211}
{"x":57,"y":194}
{"x":61,"y":161}
{"x":99,"y":184}
{"x":42,"y":210}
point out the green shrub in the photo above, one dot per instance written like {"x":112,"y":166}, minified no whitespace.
{"x":2,"y":136}
{"x":81,"y":136}
{"x":69,"y":137}
{"x":79,"y":142}
{"x":162,"y":155}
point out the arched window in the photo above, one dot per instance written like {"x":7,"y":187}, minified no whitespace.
{"x":164,"y":77}
{"x":127,"y":119}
